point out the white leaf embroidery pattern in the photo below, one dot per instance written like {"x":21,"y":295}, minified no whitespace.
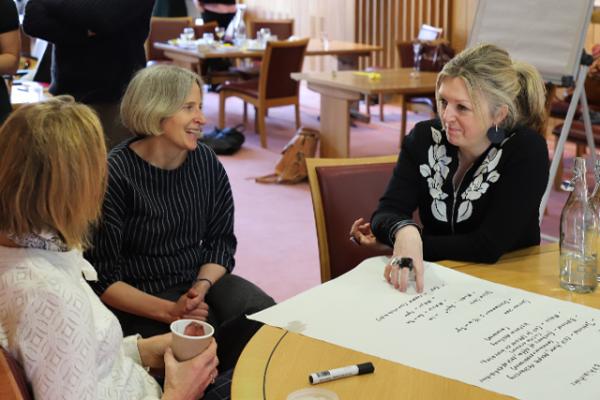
{"x":493,"y":176}
{"x":464,"y":211}
{"x":437,"y":135}
{"x":484,"y":175}
{"x":438,"y":208}
{"x":436,"y":172}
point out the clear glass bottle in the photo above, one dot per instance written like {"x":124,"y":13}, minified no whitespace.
{"x":236,"y":30}
{"x":595,"y":203}
{"x":578,"y":236}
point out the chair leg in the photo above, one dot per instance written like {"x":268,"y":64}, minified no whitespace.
{"x":381,"y":107}
{"x":261,"y":127}
{"x":403,"y":121}
{"x":297,"y":109}
{"x":245,"y":119}
{"x":368,"y":105}
{"x":221,"y":110}
{"x":256,"y":120}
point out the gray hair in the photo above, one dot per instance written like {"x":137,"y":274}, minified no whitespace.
{"x":489,"y":73}
{"x":155,"y":93}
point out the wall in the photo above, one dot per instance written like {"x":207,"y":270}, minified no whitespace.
{"x":311,"y":18}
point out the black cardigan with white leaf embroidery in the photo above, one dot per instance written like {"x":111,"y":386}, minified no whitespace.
{"x":494,"y":210}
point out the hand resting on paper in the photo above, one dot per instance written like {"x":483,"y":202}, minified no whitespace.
{"x":407,"y":244}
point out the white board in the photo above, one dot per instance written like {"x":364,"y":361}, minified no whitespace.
{"x":549,"y":34}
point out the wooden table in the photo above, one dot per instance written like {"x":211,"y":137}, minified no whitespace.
{"x":347,"y":53}
{"x":288,"y":357}
{"x":339,"y":88}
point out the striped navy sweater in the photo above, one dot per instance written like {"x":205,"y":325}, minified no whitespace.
{"x":160,"y":226}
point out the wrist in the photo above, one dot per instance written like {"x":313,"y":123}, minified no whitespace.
{"x":403,"y":227}
{"x":203,"y":285}
{"x":143,"y":350}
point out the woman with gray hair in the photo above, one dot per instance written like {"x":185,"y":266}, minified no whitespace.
{"x":476,"y":175}
{"x":164,"y":249}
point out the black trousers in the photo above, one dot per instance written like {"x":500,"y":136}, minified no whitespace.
{"x":230,"y":299}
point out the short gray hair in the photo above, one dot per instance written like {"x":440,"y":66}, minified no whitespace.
{"x":155,"y":93}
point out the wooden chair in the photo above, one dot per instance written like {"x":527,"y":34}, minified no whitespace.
{"x":209,"y":27}
{"x":283,"y":28}
{"x":13,"y":384}
{"x":161,"y":30}
{"x":342,"y":190}
{"x":273,"y":88}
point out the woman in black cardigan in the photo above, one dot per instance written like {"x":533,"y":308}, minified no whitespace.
{"x":476,"y":175}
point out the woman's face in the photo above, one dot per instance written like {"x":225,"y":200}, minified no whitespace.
{"x":183,"y":127}
{"x":463,"y":126}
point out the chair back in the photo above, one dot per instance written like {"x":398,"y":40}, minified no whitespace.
{"x":163,"y":29}
{"x":343,"y":190}
{"x":433,"y":55}
{"x":283,"y":28}
{"x":280,"y":60}
{"x":208,"y":27}
{"x":13,"y":384}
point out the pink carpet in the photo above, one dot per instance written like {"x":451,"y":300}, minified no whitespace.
{"x":274,"y":223}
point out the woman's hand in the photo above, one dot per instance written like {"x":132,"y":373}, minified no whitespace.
{"x":152,"y":350}
{"x":187,"y":380}
{"x":407,"y":244}
{"x":190,"y":305}
{"x":362,"y":235}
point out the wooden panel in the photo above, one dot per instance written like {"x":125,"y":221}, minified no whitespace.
{"x":383,"y":22}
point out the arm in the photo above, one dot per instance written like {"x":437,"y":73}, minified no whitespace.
{"x":10,"y":39}
{"x":42,"y":21}
{"x":400,"y":199}
{"x":513,"y":208}
{"x":10,"y":47}
{"x":219,"y":243}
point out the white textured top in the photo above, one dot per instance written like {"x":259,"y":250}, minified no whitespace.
{"x":69,"y":344}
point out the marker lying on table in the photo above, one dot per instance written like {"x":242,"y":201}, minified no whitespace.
{"x":338,"y":373}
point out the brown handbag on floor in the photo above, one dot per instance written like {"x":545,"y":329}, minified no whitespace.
{"x":291,"y":167}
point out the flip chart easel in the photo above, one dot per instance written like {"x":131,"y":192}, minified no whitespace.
{"x":550,"y":35}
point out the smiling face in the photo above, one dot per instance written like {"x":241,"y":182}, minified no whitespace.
{"x":464,"y":126}
{"x":182,"y":129}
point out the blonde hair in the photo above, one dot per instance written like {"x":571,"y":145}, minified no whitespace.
{"x":489,"y":73}
{"x":52,"y":170}
{"x":155,"y":93}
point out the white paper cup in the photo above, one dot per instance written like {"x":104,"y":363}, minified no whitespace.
{"x":186,"y":347}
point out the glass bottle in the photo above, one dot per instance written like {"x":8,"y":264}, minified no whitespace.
{"x":236,"y":29}
{"x":595,"y":203}
{"x":578,"y":236}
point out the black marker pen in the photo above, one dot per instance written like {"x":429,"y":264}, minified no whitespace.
{"x":338,"y":373}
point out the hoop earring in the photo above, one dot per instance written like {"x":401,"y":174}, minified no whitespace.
{"x":495,"y":135}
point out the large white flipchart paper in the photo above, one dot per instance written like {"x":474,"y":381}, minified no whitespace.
{"x":499,"y":338}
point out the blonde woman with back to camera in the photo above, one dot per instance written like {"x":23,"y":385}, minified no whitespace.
{"x":53,"y":178}
{"x":476,"y":175}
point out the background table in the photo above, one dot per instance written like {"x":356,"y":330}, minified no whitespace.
{"x":278,"y":362}
{"x":339,"y":88}
{"x":347,"y":53}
